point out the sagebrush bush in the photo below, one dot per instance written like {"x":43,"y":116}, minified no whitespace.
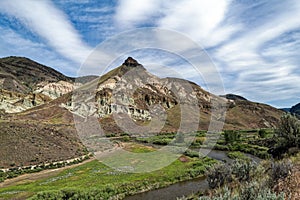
{"x":242,"y":170}
{"x":279,"y":170}
{"x":251,"y":191}
{"x":218,"y":175}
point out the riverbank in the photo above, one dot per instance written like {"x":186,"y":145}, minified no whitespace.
{"x":94,"y":179}
{"x":10,"y":173}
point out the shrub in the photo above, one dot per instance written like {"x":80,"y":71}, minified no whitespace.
{"x":279,"y":170}
{"x":218,"y":176}
{"x":231,"y":136}
{"x":262,"y":133}
{"x":242,"y":170}
{"x":287,"y":135}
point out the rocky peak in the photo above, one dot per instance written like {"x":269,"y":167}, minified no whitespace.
{"x":234,"y":97}
{"x":130,"y":62}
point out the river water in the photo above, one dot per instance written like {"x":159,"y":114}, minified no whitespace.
{"x":185,"y":188}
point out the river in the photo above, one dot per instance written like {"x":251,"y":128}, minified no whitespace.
{"x":185,"y":188}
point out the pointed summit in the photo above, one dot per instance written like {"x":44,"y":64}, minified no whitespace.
{"x":130,"y":62}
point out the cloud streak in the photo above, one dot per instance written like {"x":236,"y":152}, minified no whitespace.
{"x":254,"y":44}
{"x":43,"y":18}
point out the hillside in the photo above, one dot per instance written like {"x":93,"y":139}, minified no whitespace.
{"x":295,"y":109}
{"x":23,"y":75}
{"x":109,"y":94}
{"x":126,"y":99}
{"x":25,"y":83}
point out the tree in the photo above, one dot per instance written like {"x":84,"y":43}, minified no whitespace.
{"x":231,"y":136}
{"x":287,"y":135}
{"x":288,"y":131}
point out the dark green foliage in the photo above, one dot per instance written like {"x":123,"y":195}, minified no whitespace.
{"x":191,"y":153}
{"x":231,"y":136}
{"x":162,"y":139}
{"x":287,"y":135}
{"x":262,"y":133}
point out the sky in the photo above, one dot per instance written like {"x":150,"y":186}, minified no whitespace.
{"x":253,"y":44}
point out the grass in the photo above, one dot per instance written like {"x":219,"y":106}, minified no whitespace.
{"x":138,"y":148}
{"x":237,"y":155}
{"x":98,"y":177}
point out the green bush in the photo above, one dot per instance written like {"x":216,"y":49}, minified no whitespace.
{"x":242,"y":170}
{"x":218,"y":176}
{"x":287,"y":135}
{"x":262,"y":133}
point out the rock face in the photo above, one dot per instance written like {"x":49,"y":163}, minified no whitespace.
{"x":13,"y":102}
{"x":55,"y":89}
{"x":23,"y":75}
{"x":131,"y":90}
{"x":25,"y":84}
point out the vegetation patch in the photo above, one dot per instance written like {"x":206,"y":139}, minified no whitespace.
{"x":94,"y":180}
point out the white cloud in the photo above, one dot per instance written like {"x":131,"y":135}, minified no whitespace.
{"x":43,"y":18}
{"x":240,"y":33}
{"x":11,"y":43}
{"x":200,"y":20}
{"x":132,"y":12}
{"x":264,"y":70}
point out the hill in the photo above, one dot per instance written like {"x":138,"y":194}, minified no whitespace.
{"x":110,"y":95}
{"x":25,"y":83}
{"x":295,"y":109}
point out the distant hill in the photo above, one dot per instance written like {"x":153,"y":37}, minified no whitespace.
{"x":295,"y":109}
{"x":285,"y":109}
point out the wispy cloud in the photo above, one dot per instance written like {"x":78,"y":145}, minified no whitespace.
{"x":254,"y":44}
{"x":263,"y":59}
{"x":12,"y":43}
{"x":43,"y":18}
{"x":201,"y":20}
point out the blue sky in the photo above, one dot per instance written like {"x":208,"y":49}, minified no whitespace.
{"x":253,"y":44}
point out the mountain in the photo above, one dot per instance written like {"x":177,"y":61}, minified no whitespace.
{"x":111,"y":94}
{"x":126,"y":99}
{"x":285,"y":109}
{"x":24,"y":75}
{"x":293,"y":110}
{"x":25,"y":83}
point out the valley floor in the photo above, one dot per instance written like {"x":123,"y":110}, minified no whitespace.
{"x":27,"y":178}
